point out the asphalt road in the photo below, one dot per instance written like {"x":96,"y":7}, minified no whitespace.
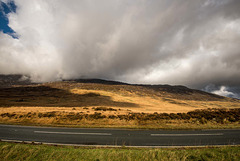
{"x":85,"y":136}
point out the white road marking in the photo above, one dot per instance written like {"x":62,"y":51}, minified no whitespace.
{"x":216,"y":134}
{"x":71,"y":133}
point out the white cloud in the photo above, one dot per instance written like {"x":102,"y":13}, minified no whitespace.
{"x":228,"y":91}
{"x":148,"y":41}
{"x":223,"y":91}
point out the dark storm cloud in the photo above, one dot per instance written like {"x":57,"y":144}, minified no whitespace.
{"x":193,"y":43}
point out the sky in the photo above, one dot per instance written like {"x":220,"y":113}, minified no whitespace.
{"x":5,"y":9}
{"x":178,"y":42}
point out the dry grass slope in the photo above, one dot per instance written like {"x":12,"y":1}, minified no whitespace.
{"x":84,"y":102}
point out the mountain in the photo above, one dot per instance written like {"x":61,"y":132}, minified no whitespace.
{"x":14,"y":79}
{"x":18,"y":92}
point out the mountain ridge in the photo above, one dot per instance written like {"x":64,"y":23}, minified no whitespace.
{"x":12,"y":80}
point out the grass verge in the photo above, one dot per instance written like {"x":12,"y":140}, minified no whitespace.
{"x":13,"y":151}
{"x":198,"y":119}
{"x":166,"y":125}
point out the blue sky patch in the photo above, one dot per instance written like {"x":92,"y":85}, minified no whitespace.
{"x":4,"y":10}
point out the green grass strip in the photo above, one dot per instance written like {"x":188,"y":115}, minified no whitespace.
{"x":13,"y":151}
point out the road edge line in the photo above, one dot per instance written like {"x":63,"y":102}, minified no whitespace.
{"x":112,"y":146}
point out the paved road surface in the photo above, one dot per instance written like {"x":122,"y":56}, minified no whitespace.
{"x":84,"y":136}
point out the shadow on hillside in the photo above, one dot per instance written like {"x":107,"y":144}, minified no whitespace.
{"x":52,"y":97}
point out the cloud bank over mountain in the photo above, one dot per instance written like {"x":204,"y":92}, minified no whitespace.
{"x":193,"y":43}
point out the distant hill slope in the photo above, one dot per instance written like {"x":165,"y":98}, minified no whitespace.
{"x":98,"y":81}
{"x":180,"y":92}
{"x":103,"y":93}
{"x":167,"y":88}
{"x":14,"y":79}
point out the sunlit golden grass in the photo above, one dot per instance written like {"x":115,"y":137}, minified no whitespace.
{"x":157,"y":104}
{"x":70,"y":118}
{"x":117,"y":123}
{"x":26,"y":104}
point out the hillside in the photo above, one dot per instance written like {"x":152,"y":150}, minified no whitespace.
{"x":97,"y":92}
{"x":101,"y":103}
{"x":14,"y":79}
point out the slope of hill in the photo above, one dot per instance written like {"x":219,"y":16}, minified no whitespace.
{"x":83,"y":101}
{"x":15,"y":79}
{"x":97,"y":92}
